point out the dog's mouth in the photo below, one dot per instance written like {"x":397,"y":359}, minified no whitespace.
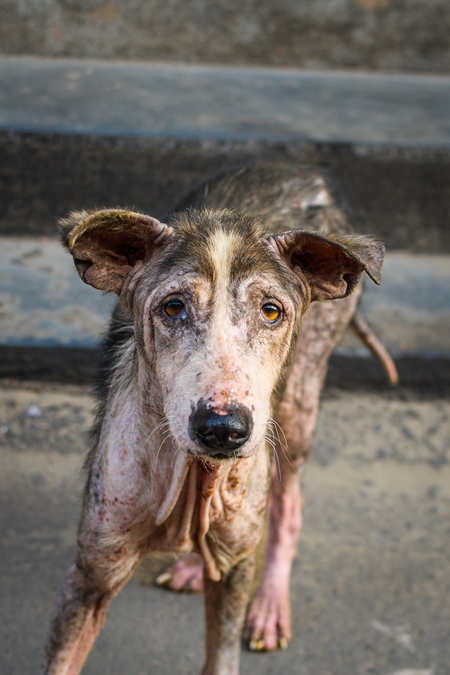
{"x":220,"y":455}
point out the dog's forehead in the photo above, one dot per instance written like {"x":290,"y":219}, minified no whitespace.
{"x":222,"y":247}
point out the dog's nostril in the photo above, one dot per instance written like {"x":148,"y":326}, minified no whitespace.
{"x":221,"y":433}
{"x":229,"y":430}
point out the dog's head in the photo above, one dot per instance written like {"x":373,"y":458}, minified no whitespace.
{"x":216,"y":305}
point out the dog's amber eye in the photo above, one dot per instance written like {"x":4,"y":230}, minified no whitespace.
{"x":270,"y":312}
{"x":174,"y":308}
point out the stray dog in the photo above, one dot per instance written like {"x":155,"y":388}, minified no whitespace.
{"x":215,"y":367}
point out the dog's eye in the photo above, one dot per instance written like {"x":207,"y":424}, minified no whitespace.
{"x":174,"y":309}
{"x":270,"y":312}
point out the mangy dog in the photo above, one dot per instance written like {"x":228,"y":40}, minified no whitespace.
{"x":214,"y":378}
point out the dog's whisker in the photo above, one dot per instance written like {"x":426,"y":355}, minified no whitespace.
{"x":279,"y":429}
{"x":276,"y":428}
{"x":159,"y":427}
{"x":206,"y":466}
{"x":175,"y":455}
{"x":275,"y":454}
{"x":166,"y":438}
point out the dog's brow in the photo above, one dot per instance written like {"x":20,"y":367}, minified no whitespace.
{"x":221,"y":252}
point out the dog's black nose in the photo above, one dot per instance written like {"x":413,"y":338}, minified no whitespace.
{"x":221,"y":432}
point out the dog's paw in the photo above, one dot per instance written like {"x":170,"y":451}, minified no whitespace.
{"x":268,"y":625}
{"x":186,"y":575}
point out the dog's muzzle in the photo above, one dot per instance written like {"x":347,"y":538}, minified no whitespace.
{"x":220,"y":432}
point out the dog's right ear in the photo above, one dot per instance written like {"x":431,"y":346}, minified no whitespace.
{"x":107,"y":244}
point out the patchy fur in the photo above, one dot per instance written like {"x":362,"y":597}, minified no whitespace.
{"x":206,"y":346}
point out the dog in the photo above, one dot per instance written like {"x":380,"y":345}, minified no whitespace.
{"x":217,"y":353}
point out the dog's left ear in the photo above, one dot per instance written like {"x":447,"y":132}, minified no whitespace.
{"x":332,"y":264}
{"x":107,"y":244}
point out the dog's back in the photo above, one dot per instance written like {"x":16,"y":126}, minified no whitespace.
{"x":284,"y":196}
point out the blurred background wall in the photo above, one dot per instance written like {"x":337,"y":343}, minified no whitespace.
{"x":130,"y":102}
{"x":378,"y":35}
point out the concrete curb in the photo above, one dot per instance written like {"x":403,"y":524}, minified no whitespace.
{"x":137,"y":99}
{"x":83,"y":134}
{"x":427,"y":375}
{"x":401,"y":195}
{"x":45,"y":304}
{"x":51,"y":323}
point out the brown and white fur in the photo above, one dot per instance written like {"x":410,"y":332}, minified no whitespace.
{"x":215,"y":370}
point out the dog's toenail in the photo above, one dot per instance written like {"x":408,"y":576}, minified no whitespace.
{"x":163,"y":579}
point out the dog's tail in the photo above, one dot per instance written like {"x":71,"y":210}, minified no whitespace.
{"x":368,"y":337}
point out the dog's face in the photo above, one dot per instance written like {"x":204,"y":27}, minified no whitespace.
{"x":218,"y":312}
{"x":216,"y":307}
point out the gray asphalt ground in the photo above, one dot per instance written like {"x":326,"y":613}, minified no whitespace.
{"x":371,"y":583}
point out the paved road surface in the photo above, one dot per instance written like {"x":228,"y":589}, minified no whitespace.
{"x":371,"y":585}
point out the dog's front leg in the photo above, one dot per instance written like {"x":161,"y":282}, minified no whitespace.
{"x":107,"y":554}
{"x":80,"y":613}
{"x":226,"y":603}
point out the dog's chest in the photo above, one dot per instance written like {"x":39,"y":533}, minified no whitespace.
{"x":217,"y":511}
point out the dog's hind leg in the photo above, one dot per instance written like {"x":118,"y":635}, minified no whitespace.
{"x":186,"y":575}
{"x":268,"y":622}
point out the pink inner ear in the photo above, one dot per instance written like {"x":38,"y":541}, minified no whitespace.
{"x":312,"y":261}
{"x":107,"y":273}
{"x":107,"y":244}
{"x":120,"y":245}
{"x":330,"y":272}
{"x":104,"y":259}
{"x":322,"y":262}
{"x":332,"y":264}
{"x":131,"y":252}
